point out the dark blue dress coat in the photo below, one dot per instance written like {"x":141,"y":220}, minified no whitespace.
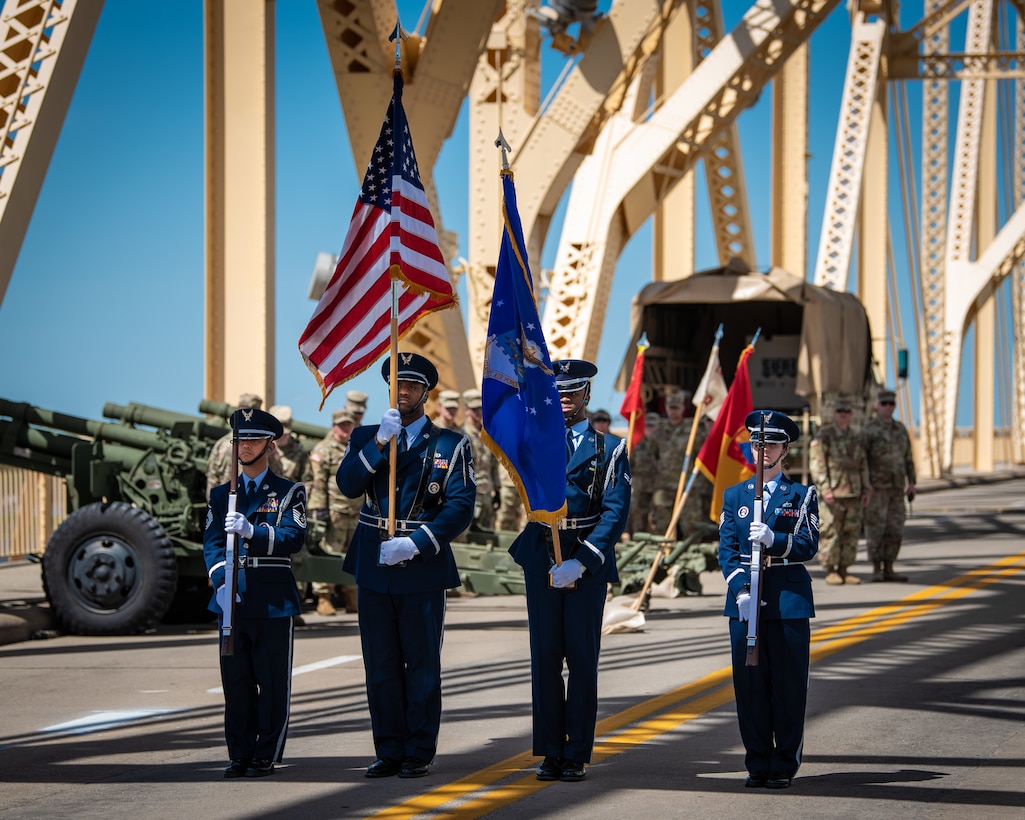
{"x":772,"y":696}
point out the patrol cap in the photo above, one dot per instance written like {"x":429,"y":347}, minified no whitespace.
{"x":472,"y":399}
{"x":252,"y":422}
{"x":779,"y":427}
{"x":886,"y":395}
{"x":573,"y":374}
{"x":283,"y":413}
{"x":250,"y":400}
{"x":601,"y":415}
{"x":843,"y":404}
{"x":412,"y":368}
{"x":342,"y":416}
{"x":449,"y":399}
{"x":651,"y":419}
{"x":357,"y":398}
{"x":675,"y":398}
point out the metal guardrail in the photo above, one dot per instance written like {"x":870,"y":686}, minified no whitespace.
{"x":31,"y":506}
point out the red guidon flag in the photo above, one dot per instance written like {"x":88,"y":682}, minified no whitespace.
{"x":633,"y":401}
{"x":391,"y":236}
{"x":725,"y":457}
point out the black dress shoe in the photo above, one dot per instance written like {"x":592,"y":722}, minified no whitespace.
{"x":260,"y":768}
{"x":413,"y":767}
{"x":550,"y":768}
{"x":755,"y":780}
{"x":383,"y":767}
{"x":778,"y":781}
{"x":237,"y":768}
{"x":572,"y":770}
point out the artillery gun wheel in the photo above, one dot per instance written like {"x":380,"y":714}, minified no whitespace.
{"x":109,"y":569}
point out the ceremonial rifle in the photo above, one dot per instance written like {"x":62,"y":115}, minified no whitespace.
{"x":231,"y":553}
{"x":756,"y":553}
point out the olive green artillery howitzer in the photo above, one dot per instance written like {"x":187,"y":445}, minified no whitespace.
{"x":695,"y":554}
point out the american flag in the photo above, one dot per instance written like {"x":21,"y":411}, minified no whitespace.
{"x":391,"y":235}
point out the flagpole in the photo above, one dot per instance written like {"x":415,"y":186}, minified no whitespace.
{"x":398,"y":35}
{"x":642,"y":345}
{"x":681,"y":492}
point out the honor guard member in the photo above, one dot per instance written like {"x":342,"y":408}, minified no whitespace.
{"x":771,"y":697}
{"x":448,"y":409}
{"x":402,"y":580}
{"x":270,"y":522}
{"x":356,"y":403}
{"x":565,"y":603}
{"x":891,"y":470}
{"x":839,"y":470}
{"x":331,"y":510}
{"x":218,"y":463}
{"x":485,"y":464}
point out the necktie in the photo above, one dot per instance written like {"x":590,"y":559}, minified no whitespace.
{"x":569,"y":442}
{"x":403,"y":441}
{"x":250,"y":487}
{"x":766,"y":492}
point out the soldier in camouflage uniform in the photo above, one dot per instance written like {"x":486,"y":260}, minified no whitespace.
{"x":356,"y":404}
{"x":485,"y":465}
{"x":329,"y":508}
{"x":218,"y":463}
{"x":670,"y":449}
{"x":839,"y":470}
{"x":511,"y":515}
{"x":891,"y":472}
{"x":289,"y":459}
{"x":448,"y":409}
{"x":642,"y":468}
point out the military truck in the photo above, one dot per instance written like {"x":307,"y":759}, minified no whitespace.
{"x":130,"y":552}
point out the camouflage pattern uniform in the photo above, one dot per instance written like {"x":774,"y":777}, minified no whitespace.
{"x":642,"y":468}
{"x":670,"y":449}
{"x":838,"y":465}
{"x":218,"y":462}
{"x":290,"y":460}
{"x":891,"y":469}
{"x":342,"y":513}
{"x":485,"y":468}
{"x":511,"y":515}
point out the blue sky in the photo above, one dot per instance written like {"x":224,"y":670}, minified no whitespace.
{"x":106,"y":301}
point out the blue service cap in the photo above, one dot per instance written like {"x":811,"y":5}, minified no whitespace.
{"x":573,"y":374}
{"x":249,"y":422}
{"x":779,"y":427}
{"x":412,"y":368}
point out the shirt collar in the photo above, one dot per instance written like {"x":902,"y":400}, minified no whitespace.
{"x":413,"y":430}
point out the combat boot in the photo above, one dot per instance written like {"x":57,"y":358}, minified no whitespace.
{"x":890,"y":575}
{"x":324,"y":605}
{"x":877,"y":571}
{"x":847,"y":577}
{"x":833,"y":577}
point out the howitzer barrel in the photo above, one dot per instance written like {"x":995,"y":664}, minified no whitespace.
{"x":45,"y":451}
{"x":224,"y":410}
{"x":104,"y":431}
{"x":134,"y":413}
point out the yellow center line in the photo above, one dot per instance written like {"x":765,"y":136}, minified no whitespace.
{"x":481,"y":792}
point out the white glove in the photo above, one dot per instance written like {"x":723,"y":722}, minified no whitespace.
{"x":391,"y":423}
{"x":220,"y":595}
{"x":237,"y":523}
{"x":744,"y":605}
{"x":761,"y":533}
{"x":396,"y":550}
{"x":566,"y":573}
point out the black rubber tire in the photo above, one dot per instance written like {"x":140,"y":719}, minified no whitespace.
{"x":109,"y":569}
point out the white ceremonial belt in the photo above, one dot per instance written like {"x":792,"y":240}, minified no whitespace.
{"x":405,"y":525}
{"x":251,"y":562}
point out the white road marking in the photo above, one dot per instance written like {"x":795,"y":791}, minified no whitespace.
{"x":100,"y":720}
{"x":309,"y":667}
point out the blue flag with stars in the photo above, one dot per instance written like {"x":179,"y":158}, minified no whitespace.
{"x":523,"y":422}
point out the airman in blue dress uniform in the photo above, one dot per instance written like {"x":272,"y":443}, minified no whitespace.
{"x":565,"y":603}
{"x":771,"y":697}
{"x":402,"y":581}
{"x":270,"y":522}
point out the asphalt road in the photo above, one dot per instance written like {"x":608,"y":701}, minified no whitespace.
{"x":917,"y":707}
